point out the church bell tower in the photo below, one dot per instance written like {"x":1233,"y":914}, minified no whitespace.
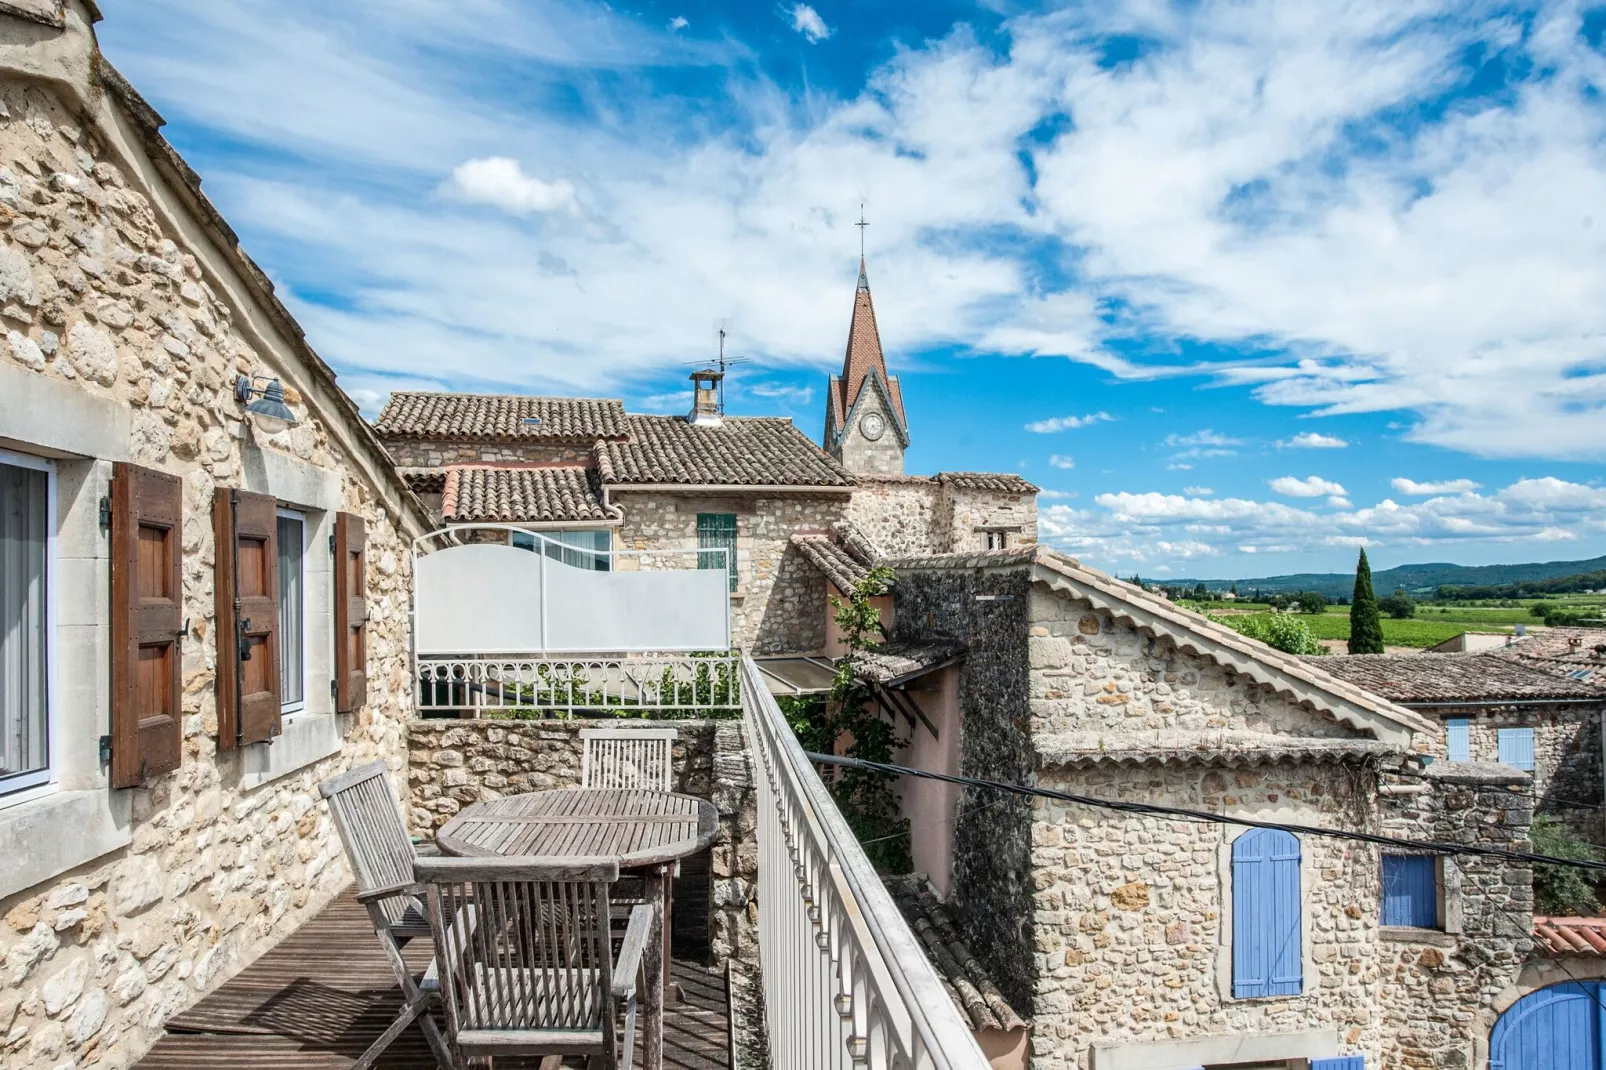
{"x":865,"y":428}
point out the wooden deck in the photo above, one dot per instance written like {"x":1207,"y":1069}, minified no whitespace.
{"x":319,"y":999}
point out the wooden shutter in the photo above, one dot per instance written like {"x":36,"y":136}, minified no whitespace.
{"x":1340,"y":1062}
{"x":351,"y":612}
{"x":1266,"y":915}
{"x":146,"y":618}
{"x":1458,"y":737}
{"x":246,"y":526}
{"x":1516,"y":747}
{"x":1411,"y":891}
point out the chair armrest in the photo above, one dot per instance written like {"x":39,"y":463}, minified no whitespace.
{"x":390,"y":892}
{"x":426,"y":848}
{"x":629,"y":964}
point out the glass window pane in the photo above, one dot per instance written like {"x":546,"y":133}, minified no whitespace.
{"x":292,"y":669}
{"x":24,"y":746}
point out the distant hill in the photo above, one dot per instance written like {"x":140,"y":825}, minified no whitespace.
{"x":1418,"y":579}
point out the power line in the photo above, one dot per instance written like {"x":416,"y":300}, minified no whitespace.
{"x":1204,"y":815}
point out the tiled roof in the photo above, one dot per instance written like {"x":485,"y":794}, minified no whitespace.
{"x":831,"y":558}
{"x":862,"y":358}
{"x":559,"y":494}
{"x":1181,"y":747}
{"x":1002,"y":482}
{"x":1574,"y":653}
{"x":968,"y":984}
{"x":741,"y":450}
{"x":499,"y":417}
{"x":1471,"y":678}
{"x":1571,"y":936}
{"x":898,"y":660}
{"x":424,"y":480}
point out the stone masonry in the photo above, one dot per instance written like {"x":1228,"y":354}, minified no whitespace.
{"x":457,"y":763}
{"x":110,"y":292}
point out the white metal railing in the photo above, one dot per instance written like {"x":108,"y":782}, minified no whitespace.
{"x":663,"y":686}
{"x":846,"y":983}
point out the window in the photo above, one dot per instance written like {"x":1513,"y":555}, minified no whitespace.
{"x":995,"y":540}
{"x":1266,"y":959}
{"x":292,"y":546}
{"x":717,"y":531}
{"x":1458,"y":732}
{"x":1411,"y":891}
{"x":25,"y":549}
{"x":1517,"y":747}
{"x":578,"y":549}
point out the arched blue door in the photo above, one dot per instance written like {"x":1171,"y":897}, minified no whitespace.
{"x":1562,"y":1027}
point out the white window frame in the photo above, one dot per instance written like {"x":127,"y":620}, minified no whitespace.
{"x":26,"y":786}
{"x":287,"y":709}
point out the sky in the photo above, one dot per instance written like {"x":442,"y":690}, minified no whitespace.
{"x":1242,"y":286}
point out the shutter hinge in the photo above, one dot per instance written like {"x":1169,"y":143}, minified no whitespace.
{"x":105,"y":512}
{"x":105,"y":750}
{"x":185,"y":633}
{"x":334,"y":689}
{"x":331,"y":544}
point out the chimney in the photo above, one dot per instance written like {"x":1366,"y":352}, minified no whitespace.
{"x":706,"y":410}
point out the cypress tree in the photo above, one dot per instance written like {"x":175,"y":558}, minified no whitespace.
{"x":1365,"y":627}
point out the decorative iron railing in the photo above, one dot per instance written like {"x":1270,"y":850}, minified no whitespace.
{"x":846,"y":983}
{"x":665,"y":686}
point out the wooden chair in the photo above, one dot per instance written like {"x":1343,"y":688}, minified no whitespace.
{"x":526,"y":963}
{"x":627,"y":758}
{"x":381,"y":857}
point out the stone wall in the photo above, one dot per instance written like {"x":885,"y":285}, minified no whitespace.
{"x":970,"y":513}
{"x":456,"y":763}
{"x":858,"y":453}
{"x":778,"y":603}
{"x":415,"y":453}
{"x":899,"y":515}
{"x":992,"y":879}
{"x":1435,"y":989}
{"x":125,"y":327}
{"x":1567,"y":756}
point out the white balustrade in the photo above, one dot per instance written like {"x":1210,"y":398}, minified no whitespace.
{"x":846,"y":983}
{"x":664,"y":686}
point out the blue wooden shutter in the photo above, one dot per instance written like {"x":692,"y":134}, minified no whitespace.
{"x":1517,"y":747}
{"x":1266,"y":915}
{"x":1459,"y":733}
{"x":1341,"y":1062}
{"x":1411,"y":891}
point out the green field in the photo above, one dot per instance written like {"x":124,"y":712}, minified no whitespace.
{"x":1417,"y":633}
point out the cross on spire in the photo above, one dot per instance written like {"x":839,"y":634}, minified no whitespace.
{"x":864,"y":280}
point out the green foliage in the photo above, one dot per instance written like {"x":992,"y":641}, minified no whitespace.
{"x":1398,"y":605}
{"x":1311,"y":602}
{"x":848,"y":715}
{"x":1542,"y":609}
{"x":1578,"y":581}
{"x":1561,"y":889}
{"x":1365,"y":626}
{"x":1280,"y":631}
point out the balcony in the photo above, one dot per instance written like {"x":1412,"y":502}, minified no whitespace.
{"x":838,"y":978}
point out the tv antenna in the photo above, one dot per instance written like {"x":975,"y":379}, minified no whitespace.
{"x":721,"y":362}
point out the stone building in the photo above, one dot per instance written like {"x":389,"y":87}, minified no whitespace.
{"x":1498,"y":708}
{"x":1141,"y":940}
{"x":159,"y":821}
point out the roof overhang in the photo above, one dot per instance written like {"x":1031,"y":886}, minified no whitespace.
{"x":812,"y":490}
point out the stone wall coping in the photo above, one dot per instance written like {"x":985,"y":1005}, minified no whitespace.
{"x":1477,"y":773}
{"x":1219,"y":747}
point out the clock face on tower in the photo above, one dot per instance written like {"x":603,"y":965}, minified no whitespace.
{"x":872,"y":425}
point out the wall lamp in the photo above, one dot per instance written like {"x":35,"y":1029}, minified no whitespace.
{"x":272,"y":414}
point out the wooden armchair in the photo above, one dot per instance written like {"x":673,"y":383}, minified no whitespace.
{"x":381,"y":857}
{"x":627,"y":758}
{"x":526,"y":963}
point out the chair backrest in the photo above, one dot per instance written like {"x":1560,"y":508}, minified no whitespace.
{"x":370,"y":825}
{"x":522,"y":945}
{"x":627,"y":758}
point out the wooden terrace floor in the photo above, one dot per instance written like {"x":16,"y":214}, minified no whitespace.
{"x":317,"y":1000}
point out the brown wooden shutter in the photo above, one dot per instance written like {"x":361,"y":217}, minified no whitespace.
{"x":351,"y":612}
{"x":245,"y":526}
{"x":147,"y":616}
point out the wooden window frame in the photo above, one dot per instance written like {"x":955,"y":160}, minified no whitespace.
{"x":30,"y":785}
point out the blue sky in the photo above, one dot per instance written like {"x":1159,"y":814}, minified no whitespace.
{"x":1241,"y":285}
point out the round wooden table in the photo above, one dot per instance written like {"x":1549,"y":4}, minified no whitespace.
{"x":646,"y":831}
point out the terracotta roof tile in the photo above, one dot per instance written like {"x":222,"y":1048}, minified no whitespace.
{"x":862,"y":359}
{"x":898,"y":660}
{"x":424,"y":480}
{"x":833,"y":560}
{"x":1573,"y":653}
{"x":1003,"y":482}
{"x":1471,"y":678}
{"x":968,"y":983}
{"x":498,"y":417}
{"x":742,"y":450}
{"x":1571,"y":936}
{"x":566,"y":494}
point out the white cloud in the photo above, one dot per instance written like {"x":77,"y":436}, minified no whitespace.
{"x":1309,"y":487}
{"x":1067,"y":423}
{"x":1449,"y":486}
{"x":500,"y":181}
{"x":1199,"y":492}
{"x":1312,"y":440}
{"x":1338,"y":501}
{"x":1061,"y":461}
{"x":679,"y":22}
{"x":807,"y":21}
{"x":1205,"y":437}
{"x":1056,"y":495}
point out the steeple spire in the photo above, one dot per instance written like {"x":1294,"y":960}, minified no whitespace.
{"x":872,"y":415}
